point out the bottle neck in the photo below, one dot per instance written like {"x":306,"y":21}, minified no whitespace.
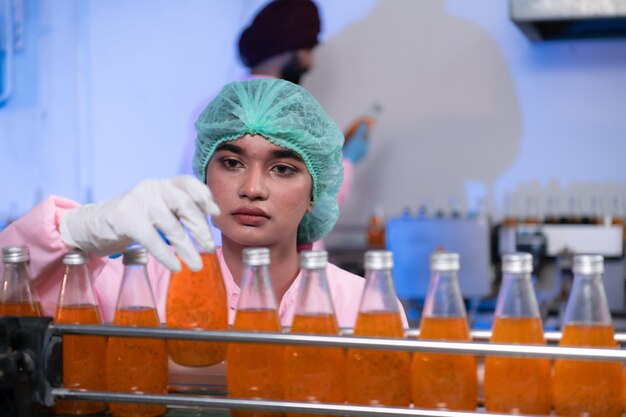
{"x":314,"y":294}
{"x":15,"y":287}
{"x":135,"y":291}
{"x":379,"y":294}
{"x":76,"y":288}
{"x":256,"y":289}
{"x":517,"y":297}
{"x":587,"y":303}
{"x":444,"y":296}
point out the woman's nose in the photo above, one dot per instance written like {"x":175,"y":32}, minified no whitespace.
{"x":254,"y":185}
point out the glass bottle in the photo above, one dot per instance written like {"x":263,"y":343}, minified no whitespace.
{"x":314,"y":373}
{"x":511,"y":216}
{"x":517,"y":385}
{"x":446,"y":382}
{"x":197,"y":300}
{"x":378,"y":377}
{"x":136,"y":364}
{"x":16,"y":296}
{"x":376,"y":230}
{"x":575,"y":211}
{"x":255,"y":370}
{"x":531,"y":216}
{"x":553,"y":214}
{"x":588,"y":388}
{"x":83,"y":356}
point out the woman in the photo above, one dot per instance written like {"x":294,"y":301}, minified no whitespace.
{"x":271,"y":157}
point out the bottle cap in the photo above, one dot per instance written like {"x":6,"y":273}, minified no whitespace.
{"x":378,"y":259}
{"x":313,"y":259}
{"x":517,"y":263}
{"x":588,"y":264}
{"x":75,"y":257}
{"x":256,"y":256}
{"x":15,"y":254}
{"x":445,"y":261}
{"x":135,"y":256}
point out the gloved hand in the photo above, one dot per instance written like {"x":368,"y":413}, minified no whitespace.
{"x":356,"y":145}
{"x":111,"y":226}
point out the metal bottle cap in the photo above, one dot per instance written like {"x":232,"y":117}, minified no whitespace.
{"x":135,"y":256}
{"x":378,"y":259}
{"x":313,"y":259}
{"x":15,"y":254}
{"x":256,"y":256}
{"x":75,"y":257}
{"x":588,"y":264}
{"x":517,"y":263}
{"x":445,"y":262}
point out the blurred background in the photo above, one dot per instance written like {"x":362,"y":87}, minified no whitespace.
{"x":489,"y":122}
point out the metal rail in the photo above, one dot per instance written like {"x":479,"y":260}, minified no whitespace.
{"x":261,"y":405}
{"x":407,"y":345}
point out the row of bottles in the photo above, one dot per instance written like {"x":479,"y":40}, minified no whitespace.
{"x":554,"y":214}
{"x":327,"y":374}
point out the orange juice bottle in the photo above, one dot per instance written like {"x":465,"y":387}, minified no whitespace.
{"x":378,"y":377}
{"x":197,"y":300}
{"x":83,"y":356}
{"x":314,"y":373}
{"x":255,"y":370}
{"x":376,"y":230}
{"x":446,"y":382}
{"x":136,"y":364}
{"x":16,"y":296}
{"x":517,"y":385}
{"x":584,"y":387}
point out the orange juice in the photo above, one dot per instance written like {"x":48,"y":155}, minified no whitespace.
{"x":20,"y":309}
{"x":587,"y":387}
{"x":197,"y":300}
{"x":255,"y":370}
{"x":136,"y":364}
{"x":444,"y":381}
{"x":378,"y":377}
{"x":517,"y":385}
{"x":314,"y":373}
{"x":83,"y":359}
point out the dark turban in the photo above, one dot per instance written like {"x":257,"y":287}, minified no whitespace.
{"x":283,"y":25}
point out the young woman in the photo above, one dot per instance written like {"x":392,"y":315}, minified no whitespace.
{"x":271,"y":158}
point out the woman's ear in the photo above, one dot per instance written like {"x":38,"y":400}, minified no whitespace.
{"x":310,"y":208}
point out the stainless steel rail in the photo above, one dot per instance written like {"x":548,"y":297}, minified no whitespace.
{"x":261,"y":405}
{"x":410,"y":345}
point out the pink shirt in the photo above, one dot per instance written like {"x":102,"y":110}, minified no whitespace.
{"x":38,"y":230}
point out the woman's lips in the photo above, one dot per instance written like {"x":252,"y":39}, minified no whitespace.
{"x":250,"y":216}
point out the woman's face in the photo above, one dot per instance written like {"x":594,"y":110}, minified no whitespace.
{"x":262,"y":190}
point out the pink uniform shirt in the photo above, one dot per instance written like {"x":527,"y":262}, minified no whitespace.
{"x":38,"y":230}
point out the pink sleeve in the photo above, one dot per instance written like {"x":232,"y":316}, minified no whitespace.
{"x":39,"y":231}
{"x":346,"y":185}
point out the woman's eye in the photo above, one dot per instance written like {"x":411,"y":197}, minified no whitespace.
{"x":284,"y":170}
{"x":231,"y":163}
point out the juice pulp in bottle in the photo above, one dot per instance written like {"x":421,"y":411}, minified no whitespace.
{"x":587,"y":387}
{"x":21,"y":309}
{"x":517,"y":385}
{"x":255,"y":370}
{"x":444,"y":381}
{"x":314,"y":373}
{"x":197,"y":300}
{"x":378,"y":377}
{"x":136,"y":364}
{"x":83,"y":359}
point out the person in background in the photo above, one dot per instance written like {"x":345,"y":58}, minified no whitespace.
{"x":270,"y":156}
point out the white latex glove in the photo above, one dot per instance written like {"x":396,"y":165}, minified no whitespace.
{"x":109,"y":227}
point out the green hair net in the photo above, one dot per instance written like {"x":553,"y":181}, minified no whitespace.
{"x":288,"y":116}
